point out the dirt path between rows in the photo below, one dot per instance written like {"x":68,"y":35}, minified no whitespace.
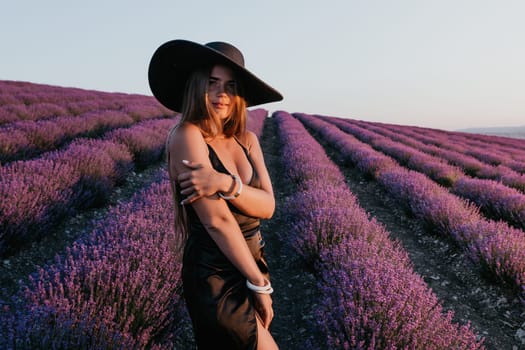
{"x":295,"y":296}
{"x":494,"y":312}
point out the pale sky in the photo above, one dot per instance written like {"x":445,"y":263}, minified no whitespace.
{"x":444,"y":64}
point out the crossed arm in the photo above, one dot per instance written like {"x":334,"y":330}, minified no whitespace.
{"x":200,"y":180}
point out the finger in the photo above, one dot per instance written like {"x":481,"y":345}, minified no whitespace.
{"x":190,"y":199}
{"x":271,"y":314}
{"x":187,"y":191}
{"x":194,"y":197}
{"x":267,"y":321}
{"x":261,"y":315}
{"x":191,"y":165}
{"x":184,"y":176}
{"x":186,"y":184}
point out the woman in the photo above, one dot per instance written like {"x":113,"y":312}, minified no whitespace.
{"x":221,"y":189}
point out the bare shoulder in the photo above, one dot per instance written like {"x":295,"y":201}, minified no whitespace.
{"x":251,"y":137}
{"x":186,"y":143}
{"x":184,"y":134}
{"x":249,"y":140}
{"x":185,"y":129}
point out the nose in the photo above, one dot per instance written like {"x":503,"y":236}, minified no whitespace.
{"x":221,"y":88}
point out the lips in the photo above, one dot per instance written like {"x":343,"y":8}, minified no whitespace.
{"x":220,"y":105}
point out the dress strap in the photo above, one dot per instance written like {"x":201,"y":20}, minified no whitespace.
{"x":242,"y":146}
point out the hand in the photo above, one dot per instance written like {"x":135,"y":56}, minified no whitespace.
{"x":198,"y":182}
{"x":263,"y":305}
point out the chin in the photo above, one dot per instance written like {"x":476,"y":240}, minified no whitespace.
{"x":223,"y":114}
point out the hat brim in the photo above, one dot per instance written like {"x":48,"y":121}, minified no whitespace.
{"x":173,"y":62}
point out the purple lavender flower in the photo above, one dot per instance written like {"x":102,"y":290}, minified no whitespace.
{"x":354,"y":257}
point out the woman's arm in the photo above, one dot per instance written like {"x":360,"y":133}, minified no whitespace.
{"x":187,"y":143}
{"x":203,"y":180}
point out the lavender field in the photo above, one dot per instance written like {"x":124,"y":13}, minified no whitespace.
{"x":385,"y":236}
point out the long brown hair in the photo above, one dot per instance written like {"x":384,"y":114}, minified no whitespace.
{"x":198,"y":110}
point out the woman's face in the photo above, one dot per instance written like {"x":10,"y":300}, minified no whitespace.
{"x":221,"y":90}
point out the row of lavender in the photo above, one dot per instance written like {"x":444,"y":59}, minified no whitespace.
{"x":355,"y":260}
{"x":23,"y":139}
{"x":37,"y":193}
{"x":255,"y":120}
{"x":495,"y":199}
{"x":504,"y":148}
{"x":44,"y":110}
{"x":14,"y":92}
{"x":26,"y":139}
{"x":469,"y":164}
{"x":29,"y":101}
{"x":499,"y":248}
{"x":508,"y":143}
{"x":511,"y":155}
{"x":116,"y":288}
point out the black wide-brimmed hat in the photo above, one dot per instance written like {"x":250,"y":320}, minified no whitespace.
{"x":174,"y":61}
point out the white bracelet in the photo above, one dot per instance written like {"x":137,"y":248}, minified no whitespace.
{"x":237,"y":193}
{"x":266,"y":289}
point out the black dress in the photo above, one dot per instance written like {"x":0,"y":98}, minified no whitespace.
{"x":219,"y":303}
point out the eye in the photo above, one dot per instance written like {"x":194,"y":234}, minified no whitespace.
{"x":231,"y":86}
